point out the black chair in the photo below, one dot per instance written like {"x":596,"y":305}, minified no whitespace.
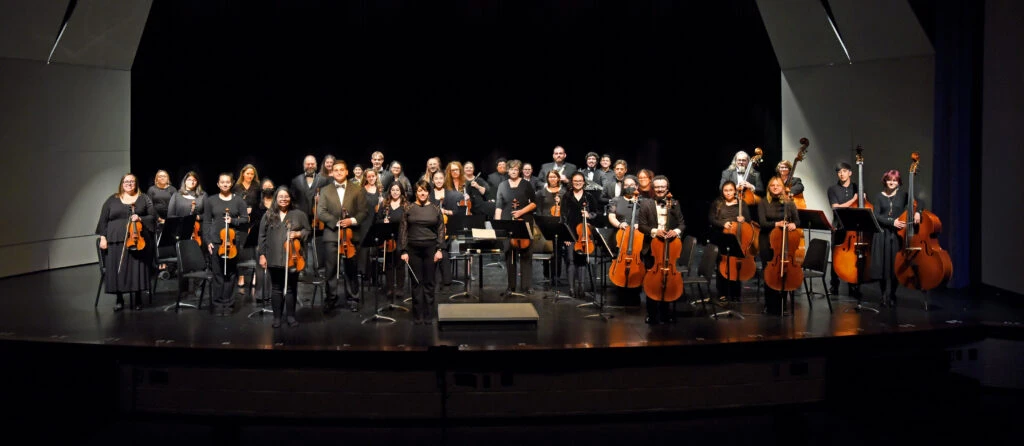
{"x":686,"y":255}
{"x":319,"y":268}
{"x":166,"y":256}
{"x":815,"y":265}
{"x":191,"y":265}
{"x":101,"y":254}
{"x":705,"y":272}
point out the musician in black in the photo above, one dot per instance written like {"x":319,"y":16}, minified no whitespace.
{"x":843,"y":194}
{"x":224,"y":209}
{"x":578,"y":206}
{"x":421,"y":242}
{"x":738,"y":169}
{"x":890,"y":203}
{"x":620,"y":216}
{"x":278,"y":228}
{"x":774,"y":212}
{"x":516,"y":191}
{"x":724,"y":213}
{"x":659,"y":217}
{"x":128,"y":271}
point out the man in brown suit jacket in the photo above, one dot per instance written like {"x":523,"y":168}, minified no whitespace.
{"x":337,"y":198}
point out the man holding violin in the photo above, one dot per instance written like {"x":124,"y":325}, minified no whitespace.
{"x":342,"y":208}
{"x":659,"y":217}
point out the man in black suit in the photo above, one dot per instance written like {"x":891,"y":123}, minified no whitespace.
{"x":735,"y":172}
{"x":497,"y":177}
{"x":613,"y":184}
{"x":564,"y":169}
{"x":305,"y":186}
{"x":659,"y":218}
{"x":342,"y":197}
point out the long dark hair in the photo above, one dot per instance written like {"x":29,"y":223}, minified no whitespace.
{"x":274,"y":210}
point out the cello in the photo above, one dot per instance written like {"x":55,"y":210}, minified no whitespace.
{"x":627,"y":270}
{"x":740,"y":269}
{"x":518,"y":243}
{"x":922,"y":264}
{"x":798,"y":199}
{"x":747,"y":195}
{"x":852,"y":257}
{"x":663,"y":281}
{"x":782,"y":273}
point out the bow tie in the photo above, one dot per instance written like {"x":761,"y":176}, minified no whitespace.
{"x":310,"y":175}
{"x":341,"y":185}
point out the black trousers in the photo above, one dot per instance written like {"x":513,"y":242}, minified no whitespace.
{"x":222,"y":293}
{"x":421,"y":259}
{"x":283,"y":303}
{"x":351,"y":273}
{"x":394,"y":275}
{"x":519,"y":261}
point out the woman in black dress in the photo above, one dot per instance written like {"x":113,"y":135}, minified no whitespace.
{"x":278,"y":227}
{"x":160,"y":193}
{"x":890,"y":203}
{"x":518,"y":192}
{"x":421,"y":241}
{"x":725,"y":212}
{"x":128,"y":271}
{"x":223,"y":208}
{"x":773,"y":211}
{"x":392,"y":211}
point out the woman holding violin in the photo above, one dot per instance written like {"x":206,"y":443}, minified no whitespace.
{"x":727,"y":214}
{"x":224,"y":220}
{"x":392,"y":211}
{"x":126,"y":226}
{"x":374,"y":193}
{"x":517,"y":200}
{"x":620,"y":213}
{"x":283,"y":231}
{"x":549,"y":196}
{"x":578,"y":208}
{"x":659,"y":218}
{"x":421,"y":242}
{"x":776,"y":211}
{"x":890,"y":203}
{"x":454,"y":181}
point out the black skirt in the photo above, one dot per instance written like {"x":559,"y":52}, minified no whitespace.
{"x":135,"y":269}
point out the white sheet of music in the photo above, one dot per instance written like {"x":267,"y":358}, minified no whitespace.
{"x":484,"y":234}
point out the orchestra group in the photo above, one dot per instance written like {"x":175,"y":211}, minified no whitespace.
{"x":334,"y":204}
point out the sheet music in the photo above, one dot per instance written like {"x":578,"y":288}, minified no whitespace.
{"x":484,"y":234}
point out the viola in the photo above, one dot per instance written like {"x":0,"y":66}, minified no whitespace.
{"x":922,"y":264}
{"x":389,"y":245}
{"x":663,"y":281}
{"x":851,"y":259}
{"x":584,"y":245}
{"x":556,"y":210}
{"x":134,"y":240}
{"x":346,"y":247}
{"x":466,"y":201}
{"x":318,"y":225}
{"x":627,"y":270}
{"x":783,"y":273}
{"x":519,"y":243}
{"x":293,"y":250}
{"x":227,"y":249}
{"x":747,"y":195}
{"x":734,"y":268}
{"x":195,"y":226}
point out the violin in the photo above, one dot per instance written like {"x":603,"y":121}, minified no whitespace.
{"x":519,"y":243}
{"x":852,"y":257}
{"x":663,"y":281}
{"x":583,"y":235}
{"x":293,"y":250}
{"x":389,"y":245}
{"x":627,"y":270}
{"x":465,"y":201}
{"x":740,"y":269}
{"x":747,"y":195}
{"x":195,"y":226}
{"x":783,"y":273}
{"x":227,"y":249}
{"x":134,"y":240}
{"x":922,"y":264}
{"x":346,"y":248}
{"x":556,"y":210}
{"x":318,"y":225}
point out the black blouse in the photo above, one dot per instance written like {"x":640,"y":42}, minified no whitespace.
{"x":114,"y":216}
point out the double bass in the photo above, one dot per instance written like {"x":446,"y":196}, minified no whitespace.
{"x":663,"y":281}
{"x":922,"y":264}
{"x":747,"y":195}
{"x":627,"y":270}
{"x":740,"y":269}
{"x":851,"y":259}
{"x":798,"y":199}
{"x":783,"y":273}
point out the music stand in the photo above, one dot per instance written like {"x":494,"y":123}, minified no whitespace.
{"x":554,"y":230}
{"x":728,"y":247}
{"x":814,"y":220}
{"x":514,"y":229}
{"x":378,"y":233}
{"x":860,"y":220}
{"x":605,"y":250}
{"x":459,"y":225}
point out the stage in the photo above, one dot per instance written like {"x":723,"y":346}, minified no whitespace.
{"x":157,"y":368}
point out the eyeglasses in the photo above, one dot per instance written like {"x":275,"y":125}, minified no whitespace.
{"x":129,"y":181}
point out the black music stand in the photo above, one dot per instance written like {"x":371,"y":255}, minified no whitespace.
{"x":728,"y":246}
{"x":860,"y":220}
{"x":174,"y":229}
{"x":814,"y":220}
{"x":556,"y":231}
{"x":514,"y":229}
{"x":458,"y":226}
{"x":378,"y":233}
{"x":605,"y":251}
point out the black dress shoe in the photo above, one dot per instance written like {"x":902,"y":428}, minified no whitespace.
{"x":292,"y":322}
{"x":834,"y":290}
{"x":650,"y":321}
{"x":353,"y":308}
{"x":329,"y":306}
{"x":276,"y":323}
{"x":507,"y":292}
{"x":118,"y":307}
